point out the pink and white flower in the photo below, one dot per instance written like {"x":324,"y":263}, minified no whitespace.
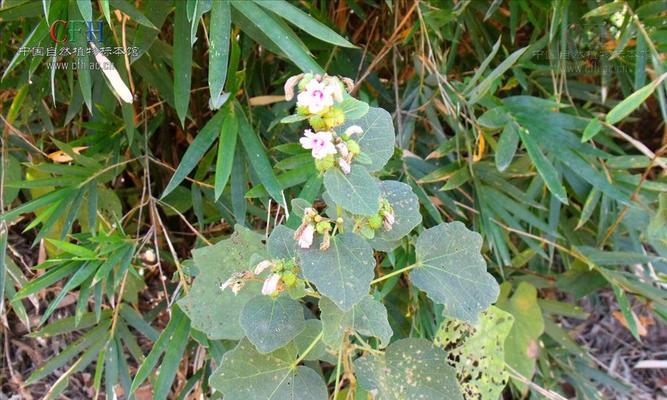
{"x":342,"y":149}
{"x":263,"y":266}
{"x":304,"y":235}
{"x":320,"y":143}
{"x":388,"y":220}
{"x":317,"y":96}
{"x":271,"y":285}
{"x":344,"y":165}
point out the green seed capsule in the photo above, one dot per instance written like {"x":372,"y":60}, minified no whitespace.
{"x":323,"y":226}
{"x":317,"y":122}
{"x":375,"y":221}
{"x":353,"y":147}
{"x":289,"y":278}
{"x":325,"y":163}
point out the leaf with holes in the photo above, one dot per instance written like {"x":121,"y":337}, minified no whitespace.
{"x":271,"y":323}
{"x":246,"y":374}
{"x":344,"y":272}
{"x":410,"y":369}
{"x":478,"y":352}
{"x":368,"y":318}
{"x":522,"y":348}
{"x":452,"y":271}
{"x":216,"y":264}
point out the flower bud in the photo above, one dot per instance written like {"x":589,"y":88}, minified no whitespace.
{"x":304,"y":237}
{"x":323,"y":226}
{"x":325,"y":163}
{"x":353,"y":147}
{"x":270,"y":285}
{"x":289,"y":86}
{"x":317,"y":122}
{"x":344,"y":165}
{"x":289,"y":278}
{"x":262,"y":266}
{"x":375,"y":221}
{"x":334,"y":117}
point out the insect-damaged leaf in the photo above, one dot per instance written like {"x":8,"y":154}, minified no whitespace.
{"x":478,"y":352}
{"x":410,"y":369}
{"x":213,"y":311}
{"x":452,"y":272}
{"x":406,"y":210}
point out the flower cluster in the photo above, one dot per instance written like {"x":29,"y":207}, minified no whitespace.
{"x":319,"y":100}
{"x":283,"y":275}
{"x":311,"y":223}
{"x":329,"y":149}
{"x":385,"y":218}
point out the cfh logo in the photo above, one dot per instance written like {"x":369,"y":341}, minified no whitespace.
{"x":62,"y":31}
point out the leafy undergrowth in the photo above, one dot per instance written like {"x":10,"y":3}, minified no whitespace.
{"x":471,"y":204}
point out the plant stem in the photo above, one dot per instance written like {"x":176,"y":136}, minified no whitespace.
{"x":397,"y":272}
{"x":310,"y":347}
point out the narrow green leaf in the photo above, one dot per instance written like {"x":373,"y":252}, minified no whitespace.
{"x":624,"y":108}
{"x":591,"y":130}
{"x":259,"y":159}
{"x":226,"y":149}
{"x":305,"y":22}
{"x":544,"y":166}
{"x":480,"y":90}
{"x":218,"y":54}
{"x":182,"y":58}
{"x":507,"y":145}
{"x":172,"y":358}
{"x":196,"y":151}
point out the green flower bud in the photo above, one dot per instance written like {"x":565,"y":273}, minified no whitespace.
{"x":289,"y":278}
{"x":353,"y":147}
{"x":375,"y":221}
{"x":302,"y":110}
{"x":334,"y":117}
{"x":318,"y":123}
{"x":324,"y":164}
{"x":323,"y":226}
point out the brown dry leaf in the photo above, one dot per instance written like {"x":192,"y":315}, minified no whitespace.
{"x":641,"y":329}
{"x":265,"y":100}
{"x":62,"y":157}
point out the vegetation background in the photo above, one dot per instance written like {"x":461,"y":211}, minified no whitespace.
{"x":539,"y":124}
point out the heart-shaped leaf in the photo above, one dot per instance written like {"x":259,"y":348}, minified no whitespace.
{"x":305,"y":339}
{"x":452,"y":271}
{"x":344,"y":272}
{"x":368,"y":318}
{"x":377,"y":140}
{"x":406,"y":210}
{"x":410,"y":369}
{"x":271,"y":323}
{"x":246,"y":374}
{"x":357,"y":192}
{"x":214,"y":311}
{"x":478,"y":352}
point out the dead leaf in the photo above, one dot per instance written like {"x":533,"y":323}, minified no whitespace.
{"x":265,"y":100}
{"x":641,"y":329}
{"x":62,"y":157}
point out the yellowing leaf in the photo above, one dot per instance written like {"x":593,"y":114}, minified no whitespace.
{"x":62,"y":157}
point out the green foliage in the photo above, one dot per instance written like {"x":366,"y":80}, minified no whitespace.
{"x":490,"y":168}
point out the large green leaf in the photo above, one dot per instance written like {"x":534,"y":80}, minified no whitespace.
{"x":406,"y":210}
{"x":368,"y":318}
{"x":342,"y":273}
{"x":632,"y":102}
{"x":377,"y":140}
{"x":410,"y":369}
{"x":357,"y":192}
{"x":521,"y":346}
{"x":478,"y":352}
{"x":213,"y":311}
{"x":452,"y":272}
{"x":543,"y":165}
{"x":245,"y":374}
{"x":271,"y":323}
